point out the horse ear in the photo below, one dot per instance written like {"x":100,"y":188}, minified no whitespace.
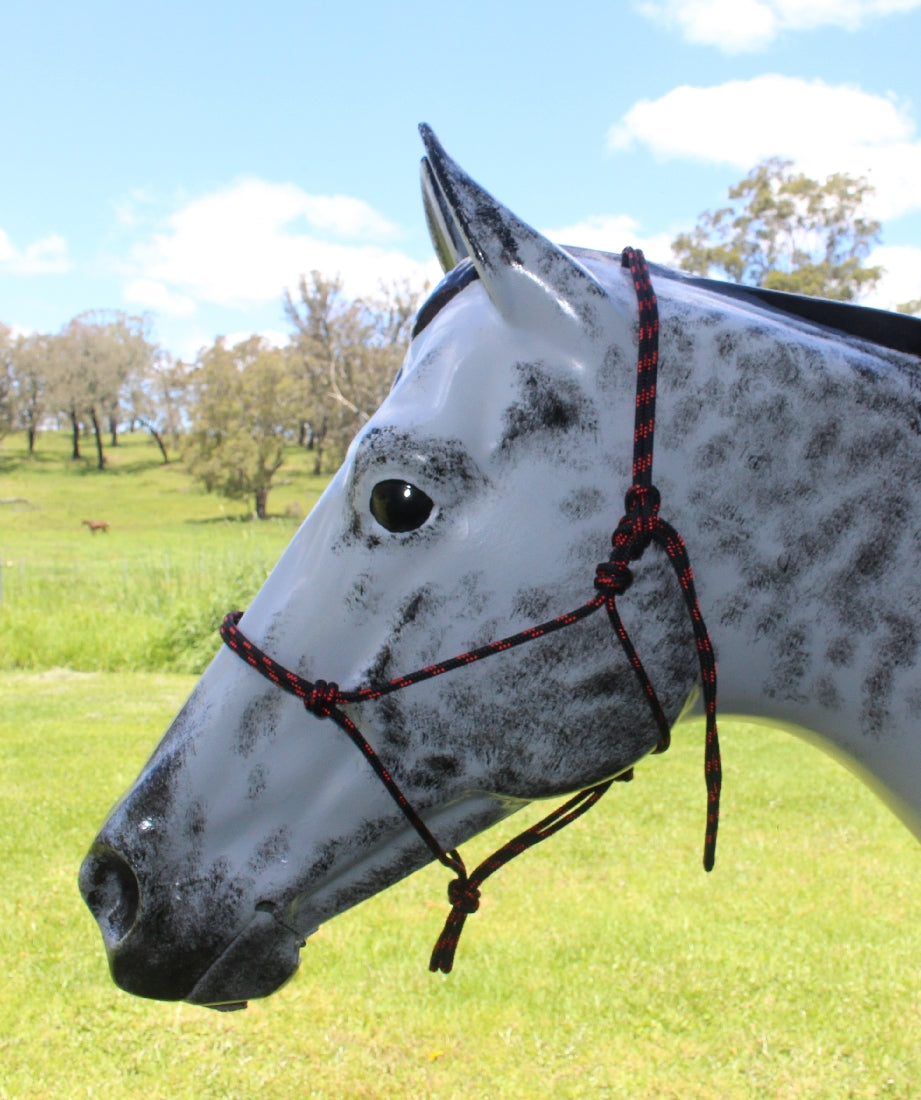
{"x":533,"y":283}
{"x":449,"y":248}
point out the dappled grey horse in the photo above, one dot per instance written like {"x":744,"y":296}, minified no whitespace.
{"x":478,"y":503}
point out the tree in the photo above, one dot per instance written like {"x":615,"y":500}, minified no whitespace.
{"x":7,"y":380}
{"x":101,"y":350}
{"x":329,"y":341}
{"x":785,"y":231}
{"x":32,"y":359}
{"x":348,"y":353}
{"x":155,"y":397}
{"x":245,"y":407}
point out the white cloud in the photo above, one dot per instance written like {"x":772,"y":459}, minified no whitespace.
{"x":822,"y":128}
{"x":15,"y":331}
{"x":606,"y":232}
{"x":243,"y":244}
{"x":270,"y":336}
{"x":47,"y":256}
{"x":735,"y":26}
{"x":150,"y":294}
{"x":611,"y":233}
{"x":901,"y":281}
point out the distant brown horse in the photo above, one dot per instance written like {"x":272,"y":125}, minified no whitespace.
{"x":96,"y":525}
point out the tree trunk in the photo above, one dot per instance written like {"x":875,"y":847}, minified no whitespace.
{"x":113,"y":428}
{"x":31,"y":432}
{"x":262,"y":496}
{"x":100,"y":457}
{"x":319,"y":441}
{"x":159,"y":438}
{"x":75,"y":423}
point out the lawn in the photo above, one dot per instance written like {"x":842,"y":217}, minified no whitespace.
{"x":605,"y":963}
{"x":148,"y":593}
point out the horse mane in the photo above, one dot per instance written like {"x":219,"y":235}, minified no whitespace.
{"x":886,"y":329}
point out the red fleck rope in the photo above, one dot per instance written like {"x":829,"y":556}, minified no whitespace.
{"x":639,"y":526}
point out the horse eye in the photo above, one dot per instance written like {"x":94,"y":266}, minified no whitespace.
{"x":399,"y":506}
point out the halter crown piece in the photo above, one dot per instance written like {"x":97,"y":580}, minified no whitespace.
{"x":640,"y":525}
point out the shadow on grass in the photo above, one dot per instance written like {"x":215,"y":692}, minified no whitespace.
{"x":41,"y":462}
{"x":278,"y":518}
{"x":56,"y":464}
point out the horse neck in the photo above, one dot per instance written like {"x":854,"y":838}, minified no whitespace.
{"x":796,"y":472}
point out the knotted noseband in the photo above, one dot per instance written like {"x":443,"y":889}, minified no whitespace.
{"x":640,"y":526}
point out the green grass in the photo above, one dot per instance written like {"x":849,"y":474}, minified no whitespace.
{"x":603,"y":964}
{"x":150,"y":593}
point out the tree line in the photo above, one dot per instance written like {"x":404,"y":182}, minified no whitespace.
{"x":232,"y":412}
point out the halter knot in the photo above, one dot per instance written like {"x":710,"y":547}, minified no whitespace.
{"x":613,"y":578}
{"x":637,"y":527}
{"x":463,"y":895}
{"x":322,"y":698}
{"x":641,"y":503}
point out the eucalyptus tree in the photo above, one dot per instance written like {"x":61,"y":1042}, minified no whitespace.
{"x":100,"y":350}
{"x":786,"y":231}
{"x":245,"y":406}
{"x":33,"y":373}
{"x":347,"y":352}
{"x":155,"y":397}
{"x":7,"y":380}
{"x":329,"y":342}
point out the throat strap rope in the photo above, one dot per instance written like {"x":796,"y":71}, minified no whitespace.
{"x":640,"y":526}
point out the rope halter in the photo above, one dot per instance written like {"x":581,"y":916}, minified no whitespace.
{"x":640,"y":526}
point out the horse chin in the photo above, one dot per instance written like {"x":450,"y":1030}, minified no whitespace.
{"x":256,"y":963}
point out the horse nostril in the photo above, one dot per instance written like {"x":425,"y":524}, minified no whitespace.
{"x":110,"y":889}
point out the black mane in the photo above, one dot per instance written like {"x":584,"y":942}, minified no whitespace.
{"x":898,"y":331}
{"x":453,"y":283}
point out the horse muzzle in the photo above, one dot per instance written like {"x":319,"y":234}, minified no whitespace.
{"x":163,"y":946}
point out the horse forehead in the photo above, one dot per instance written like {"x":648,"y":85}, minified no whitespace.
{"x":469,"y":370}
{"x":468,"y":333}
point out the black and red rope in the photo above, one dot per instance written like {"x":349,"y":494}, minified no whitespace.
{"x":640,"y":526}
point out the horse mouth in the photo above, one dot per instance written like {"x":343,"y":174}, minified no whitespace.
{"x":262,"y":957}
{"x":257,"y":962}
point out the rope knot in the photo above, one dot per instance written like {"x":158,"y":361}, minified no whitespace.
{"x":641,"y":507}
{"x":463,"y":895}
{"x":613,"y":578}
{"x":322,"y":698}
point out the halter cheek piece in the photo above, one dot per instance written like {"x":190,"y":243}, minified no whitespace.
{"x":640,"y":525}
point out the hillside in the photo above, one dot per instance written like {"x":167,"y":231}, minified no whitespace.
{"x":147,"y":593}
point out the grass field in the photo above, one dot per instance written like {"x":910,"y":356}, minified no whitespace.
{"x":150,"y":592}
{"x":603,"y":964}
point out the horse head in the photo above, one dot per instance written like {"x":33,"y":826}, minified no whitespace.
{"x":477,"y":500}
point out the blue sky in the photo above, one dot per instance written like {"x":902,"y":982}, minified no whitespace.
{"x":192,"y":159}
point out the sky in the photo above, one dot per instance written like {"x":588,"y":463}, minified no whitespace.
{"x":191,"y":160}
